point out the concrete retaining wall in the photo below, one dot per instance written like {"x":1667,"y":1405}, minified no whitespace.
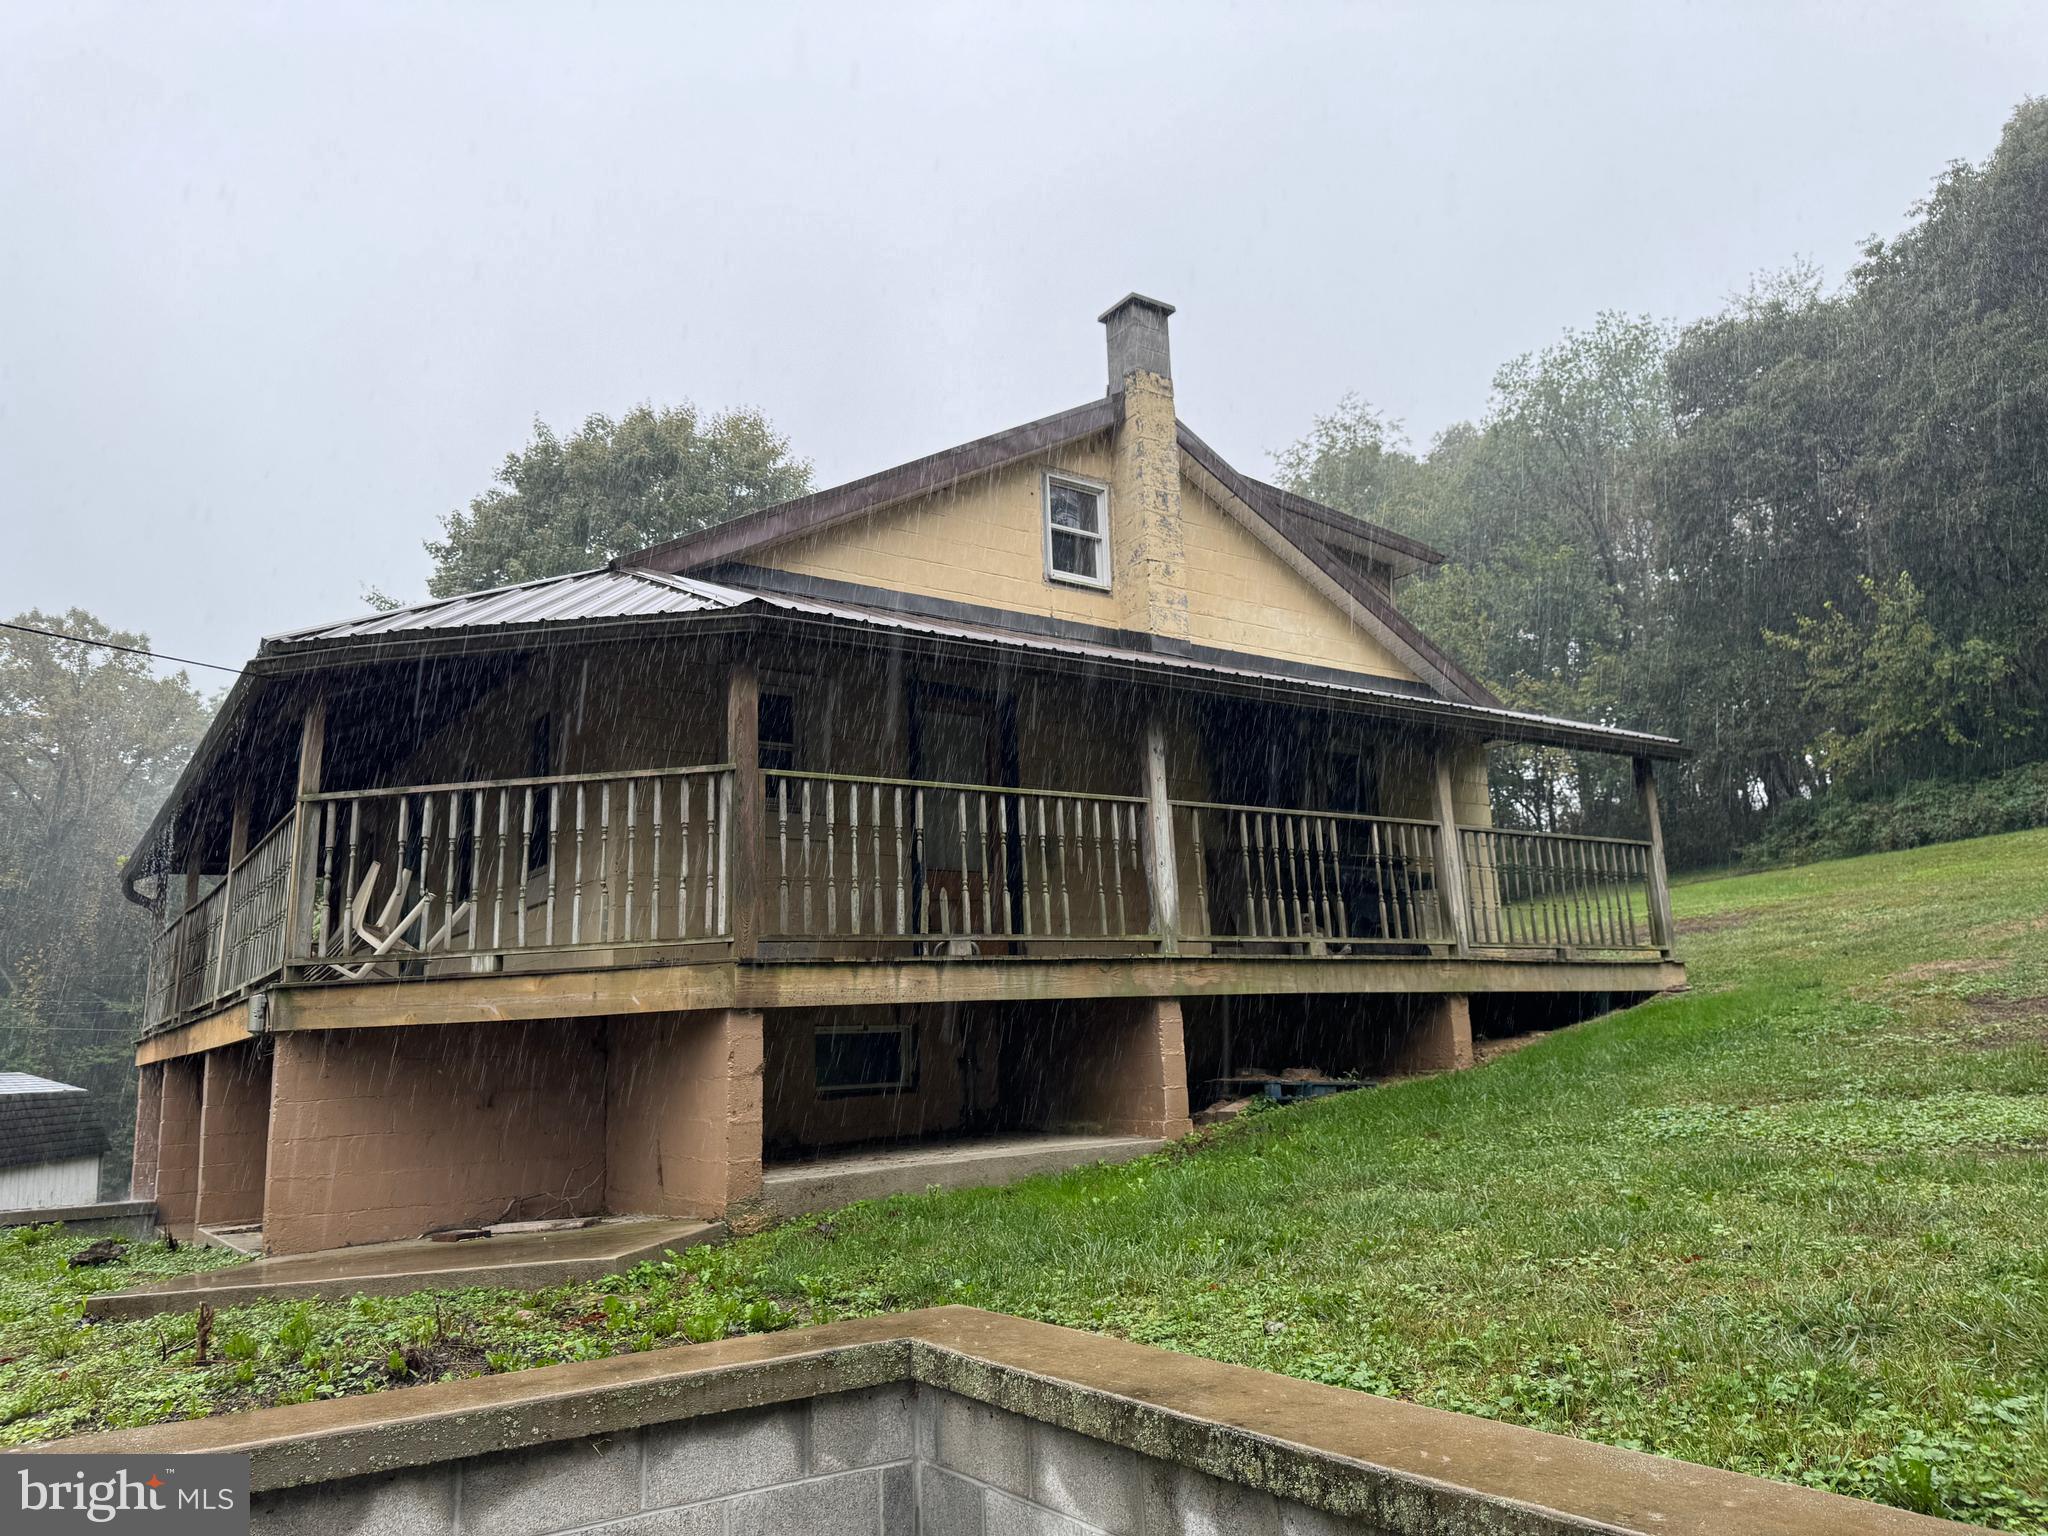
{"x":953,"y":1420}
{"x":887,"y":1461}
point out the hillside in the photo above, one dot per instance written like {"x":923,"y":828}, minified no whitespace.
{"x":1787,"y":1224}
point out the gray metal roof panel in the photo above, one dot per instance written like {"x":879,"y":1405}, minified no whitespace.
{"x":599,"y":594}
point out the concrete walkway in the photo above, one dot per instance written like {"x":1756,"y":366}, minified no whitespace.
{"x":826,"y":1183}
{"x":525,"y":1261}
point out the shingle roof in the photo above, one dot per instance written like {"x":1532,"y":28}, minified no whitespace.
{"x":46,"y":1122}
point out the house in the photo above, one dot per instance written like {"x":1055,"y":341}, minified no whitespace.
{"x":51,"y":1143}
{"x":1010,"y":792}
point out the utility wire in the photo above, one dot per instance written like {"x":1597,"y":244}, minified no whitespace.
{"x":132,"y":650}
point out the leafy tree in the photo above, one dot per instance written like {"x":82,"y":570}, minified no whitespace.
{"x":1703,"y":532}
{"x":1891,"y":693}
{"x":90,"y":743}
{"x":613,"y":487}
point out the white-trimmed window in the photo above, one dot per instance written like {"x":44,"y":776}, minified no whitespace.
{"x":1076,"y":531}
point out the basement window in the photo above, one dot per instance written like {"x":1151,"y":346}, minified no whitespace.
{"x":1076,"y":531}
{"x":855,"y":1059}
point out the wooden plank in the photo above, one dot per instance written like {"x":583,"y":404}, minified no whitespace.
{"x":228,"y":1027}
{"x":504,"y":997}
{"x":811,"y":984}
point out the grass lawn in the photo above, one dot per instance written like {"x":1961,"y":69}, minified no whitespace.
{"x":1791,"y":1224}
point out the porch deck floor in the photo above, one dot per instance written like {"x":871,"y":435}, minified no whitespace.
{"x":829,"y":1181}
{"x":523,"y":1261}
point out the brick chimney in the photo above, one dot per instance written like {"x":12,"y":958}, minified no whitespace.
{"x":1148,"y":541}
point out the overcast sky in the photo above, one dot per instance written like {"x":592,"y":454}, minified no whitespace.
{"x":280,"y":285}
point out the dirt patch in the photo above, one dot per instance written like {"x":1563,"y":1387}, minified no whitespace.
{"x":1930,"y":968}
{"x":1494,"y":1047}
{"x":2010,"y":1020}
{"x":1715,"y":922}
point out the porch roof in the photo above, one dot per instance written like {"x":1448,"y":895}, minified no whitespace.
{"x":638,"y":597}
{"x":626,"y":601}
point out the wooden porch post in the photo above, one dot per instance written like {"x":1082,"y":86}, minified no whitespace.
{"x":1163,"y":869}
{"x":238,"y":849}
{"x":312,"y":756}
{"x":1660,"y":888}
{"x":1450,"y":883}
{"x":740,"y":833}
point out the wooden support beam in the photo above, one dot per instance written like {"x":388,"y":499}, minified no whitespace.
{"x":1162,"y":868}
{"x":312,"y":757}
{"x":818,"y":984}
{"x":741,"y":850}
{"x":238,"y":829}
{"x":1450,"y":875}
{"x":1660,"y":887}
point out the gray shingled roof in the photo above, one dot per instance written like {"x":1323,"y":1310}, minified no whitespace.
{"x":46,"y":1122}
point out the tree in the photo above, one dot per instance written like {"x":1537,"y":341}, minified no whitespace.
{"x":90,"y":743}
{"x":613,"y":487}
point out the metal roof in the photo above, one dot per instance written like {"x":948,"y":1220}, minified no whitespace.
{"x":600,"y":594}
{"x":634,"y":592}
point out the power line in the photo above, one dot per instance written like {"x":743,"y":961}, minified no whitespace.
{"x":132,"y":650}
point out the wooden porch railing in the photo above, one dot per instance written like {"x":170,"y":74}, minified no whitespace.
{"x":952,"y":867}
{"x":228,"y":940}
{"x":637,"y":867}
{"x":401,"y":881}
{"x":1548,"y":890}
{"x":1313,"y":880}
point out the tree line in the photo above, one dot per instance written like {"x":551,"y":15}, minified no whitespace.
{"x":1808,"y":534}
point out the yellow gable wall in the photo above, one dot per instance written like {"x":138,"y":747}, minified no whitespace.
{"x":1243,"y":597}
{"x":982,"y":542}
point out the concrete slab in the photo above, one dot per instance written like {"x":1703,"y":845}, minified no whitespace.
{"x":245,"y":1240}
{"x":526,"y":1262}
{"x":825,"y":1184}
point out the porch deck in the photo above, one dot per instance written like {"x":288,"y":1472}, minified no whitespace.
{"x":701,"y":887}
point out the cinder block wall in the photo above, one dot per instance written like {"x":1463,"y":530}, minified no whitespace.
{"x":387,"y":1133}
{"x":1115,"y":1064}
{"x":177,"y":1154}
{"x":234,"y":1134}
{"x":889,"y":1461}
{"x":682,"y":1113}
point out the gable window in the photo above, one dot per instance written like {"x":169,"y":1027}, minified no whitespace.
{"x":1076,"y":531}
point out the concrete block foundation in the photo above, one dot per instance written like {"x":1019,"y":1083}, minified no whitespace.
{"x":181,"y":1095}
{"x":336,"y":1138}
{"x":682,"y":1100}
{"x":1440,"y":1040}
{"x":383,"y":1134}
{"x":234,"y":1135}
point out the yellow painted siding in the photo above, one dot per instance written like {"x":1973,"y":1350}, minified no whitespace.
{"x":1243,"y":597}
{"x":979,"y":542}
{"x":983,"y":542}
